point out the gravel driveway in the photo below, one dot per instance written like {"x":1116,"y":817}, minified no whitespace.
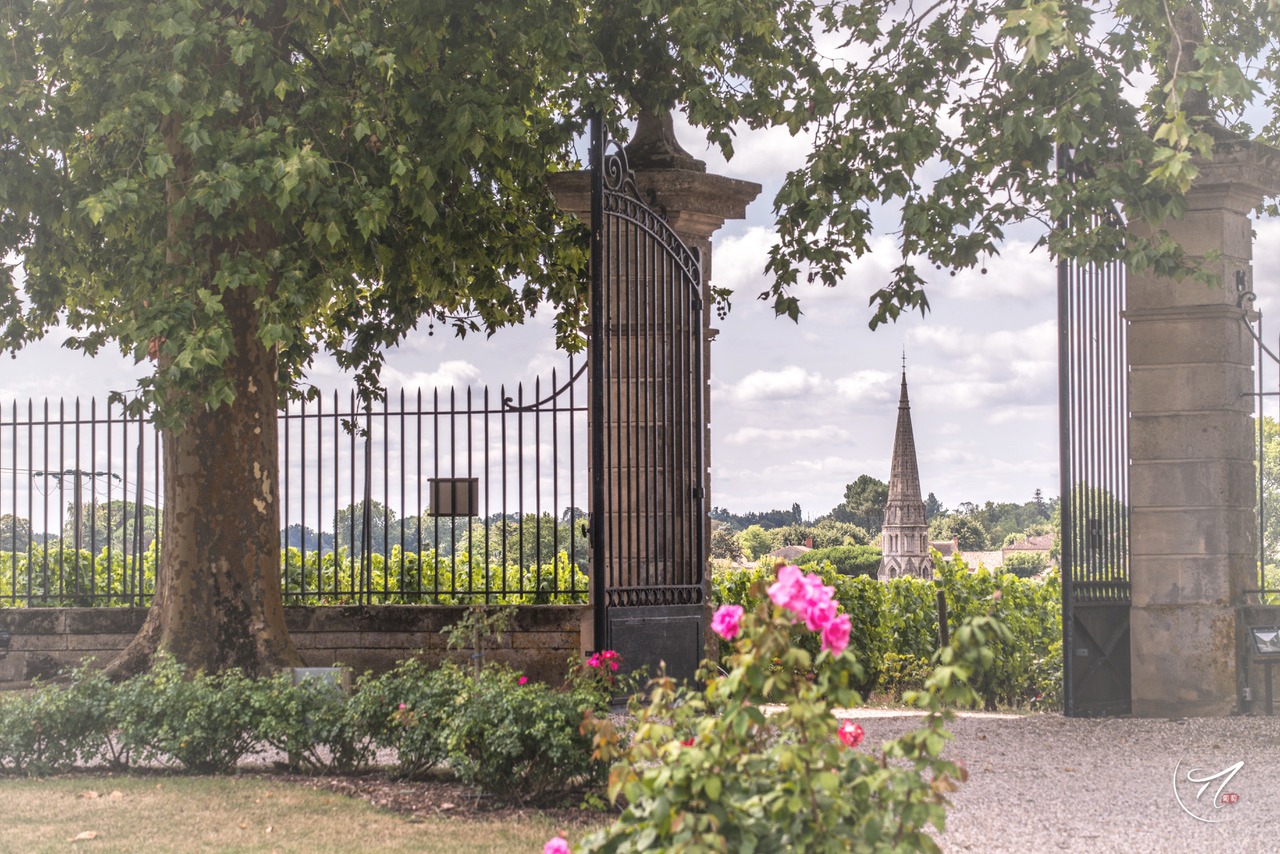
{"x":1050,"y":783}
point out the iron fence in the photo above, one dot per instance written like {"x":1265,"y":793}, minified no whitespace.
{"x":1267,"y":467}
{"x":448,"y":496}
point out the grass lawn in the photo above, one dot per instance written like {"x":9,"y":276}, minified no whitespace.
{"x":101,"y":814}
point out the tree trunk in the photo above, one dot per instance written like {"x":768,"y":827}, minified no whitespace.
{"x":217,"y":603}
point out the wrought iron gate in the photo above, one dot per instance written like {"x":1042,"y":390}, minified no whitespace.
{"x":1094,"y":465}
{"x":647,"y":426}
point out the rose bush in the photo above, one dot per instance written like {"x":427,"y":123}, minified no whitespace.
{"x":755,"y":759}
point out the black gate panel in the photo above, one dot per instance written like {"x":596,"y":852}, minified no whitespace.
{"x":647,"y":427}
{"x":1094,"y":465}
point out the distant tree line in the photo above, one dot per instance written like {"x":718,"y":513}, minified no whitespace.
{"x":505,"y":539}
{"x":858,"y":519}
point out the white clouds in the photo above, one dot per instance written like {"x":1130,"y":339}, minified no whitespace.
{"x":757,"y":436}
{"x":1018,"y":272}
{"x":762,"y":156}
{"x":789,"y":383}
{"x":862,"y":387}
{"x":794,"y":382}
{"x":973,"y":371}
{"x":448,"y":375}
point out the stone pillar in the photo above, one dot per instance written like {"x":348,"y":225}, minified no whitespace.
{"x":695,"y":204}
{"x":1193,"y":531}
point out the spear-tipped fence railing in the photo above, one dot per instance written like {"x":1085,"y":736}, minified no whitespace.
{"x":449,"y":496}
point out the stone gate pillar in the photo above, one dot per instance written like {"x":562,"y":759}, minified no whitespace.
{"x":695,"y":204}
{"x":1193,"y":534}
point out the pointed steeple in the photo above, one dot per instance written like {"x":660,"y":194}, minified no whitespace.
{"x":904,"y":474}
{"x":905,"y":537}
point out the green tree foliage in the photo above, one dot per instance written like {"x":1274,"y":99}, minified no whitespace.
{"x":846,"y":560}
{"x":114,"y":522}
{"x":234,"y":188}
{"x":15,"y":533}
{"x":949,"y":112}
{"x":1270,"y":489}
{"x":863,"y":504}
{"x":351,"y":522}
{"x":966,"y":529}
{"x":932,"y":507}
{"x":825,"y":533}
{"x":767,"y":519}
{"x":1025,"y":564}
{"x":724,"y":543}
{"x":755,"y":541}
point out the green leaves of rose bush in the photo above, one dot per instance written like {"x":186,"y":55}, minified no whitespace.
{"x":751,"y":761}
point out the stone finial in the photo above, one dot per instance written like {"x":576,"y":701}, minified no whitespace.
{"x":654,"y":145}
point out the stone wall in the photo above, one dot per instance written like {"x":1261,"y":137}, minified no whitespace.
{"x":363,"y":637}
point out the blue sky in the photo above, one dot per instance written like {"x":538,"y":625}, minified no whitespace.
{"x":798,"y":410}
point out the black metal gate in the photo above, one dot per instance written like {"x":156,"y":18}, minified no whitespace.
{"x":1094,"y":461}
{"x":647,"y":426}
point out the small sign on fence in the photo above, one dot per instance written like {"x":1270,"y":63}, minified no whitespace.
{"x":455,"y":496}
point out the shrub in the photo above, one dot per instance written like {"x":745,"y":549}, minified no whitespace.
{"x":408,"y":709}
{"x":709,"y":770}
{"x":1025,"y":564}
{"x":847,"y":560}
{"x":312,"y":723}
{"x":521,"y":742}
{"x":203,"y":722}
{"x":40,"y":732}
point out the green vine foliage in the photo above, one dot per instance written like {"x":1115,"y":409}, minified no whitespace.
{"x":53,"y":577}
{"x":752,"y":761}
{"x":895,"y":626}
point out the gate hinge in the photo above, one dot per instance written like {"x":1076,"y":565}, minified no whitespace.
{"x":697,"y":492}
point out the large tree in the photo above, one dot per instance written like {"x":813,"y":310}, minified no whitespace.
{"x":232,"y":187}
{"x":229,"y":188}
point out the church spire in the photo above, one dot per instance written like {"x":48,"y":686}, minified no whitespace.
{"x":905,"y":537}
{"x":904,"y":474}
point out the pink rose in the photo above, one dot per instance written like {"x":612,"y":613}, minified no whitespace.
{"x":727,"y":621}
{"x":820,"y":612}
{"x":835,"y":634}
{"x":788,"y":591}
{"x":402,"y":707}
{"x":522,"y":680}
{"x":556,"y":845}
{"x":850,"y":734}
{"x":593,"y":661}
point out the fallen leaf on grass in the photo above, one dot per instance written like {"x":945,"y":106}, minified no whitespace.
{"x":116,"y":794}
{"x":84,"y":837}
{"x":88,"y":796}
{"x":446,"y":806}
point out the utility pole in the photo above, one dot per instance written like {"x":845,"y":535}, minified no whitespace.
{"x":77,"y":498}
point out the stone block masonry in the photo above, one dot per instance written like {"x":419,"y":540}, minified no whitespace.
{"x":1193,"y":544}
{"x":46,"y":641}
